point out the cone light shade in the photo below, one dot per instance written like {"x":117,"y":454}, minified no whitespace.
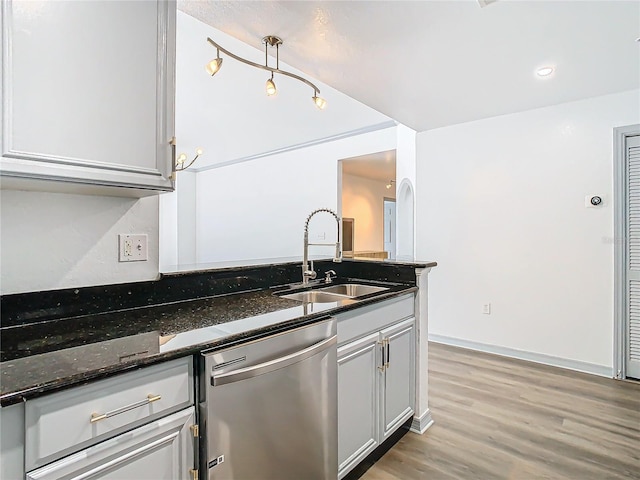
{"x":320,"y":102}
{"x":213,"y":66}
{"x":271,"y":87}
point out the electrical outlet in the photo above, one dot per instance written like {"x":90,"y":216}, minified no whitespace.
{"x":133,"y":248}
{"x":486,"y":309}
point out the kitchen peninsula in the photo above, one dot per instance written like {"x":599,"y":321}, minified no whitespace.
{"x":57,"y":343}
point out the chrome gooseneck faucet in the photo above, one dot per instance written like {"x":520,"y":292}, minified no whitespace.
{"x":311,"y":273}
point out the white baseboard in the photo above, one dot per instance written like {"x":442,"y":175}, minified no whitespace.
{"x":421,"y":424}
{"x":585,"y":367}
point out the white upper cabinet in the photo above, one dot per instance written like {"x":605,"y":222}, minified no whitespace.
{"x":88,"y":96}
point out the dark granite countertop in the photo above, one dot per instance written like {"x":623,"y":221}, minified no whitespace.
{"x":42,"y":356}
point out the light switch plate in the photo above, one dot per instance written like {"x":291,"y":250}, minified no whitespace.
{"x":133,"y":248}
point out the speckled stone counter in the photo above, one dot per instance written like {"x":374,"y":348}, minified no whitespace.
{"x":50,"y":351}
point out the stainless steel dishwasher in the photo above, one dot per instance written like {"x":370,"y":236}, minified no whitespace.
{"x":270,"y":407}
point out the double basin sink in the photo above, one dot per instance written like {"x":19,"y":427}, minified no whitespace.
{"x":334,"y":293}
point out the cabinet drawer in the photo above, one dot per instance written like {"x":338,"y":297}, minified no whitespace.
{"x":67,"y":421}
{"x":162,"y":449}
{"x":373,"y":317}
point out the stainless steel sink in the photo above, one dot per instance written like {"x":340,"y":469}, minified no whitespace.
{"x":334,"y":293}
{"x":314,"y":296}
{"x":352,"y":290}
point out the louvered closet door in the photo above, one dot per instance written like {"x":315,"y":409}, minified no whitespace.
{"x":632,"y":328}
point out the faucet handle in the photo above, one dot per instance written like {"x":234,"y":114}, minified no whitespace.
{"x":308,"y":272}
{"x":328,"y":276}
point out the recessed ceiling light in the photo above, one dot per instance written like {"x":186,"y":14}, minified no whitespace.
{"x":544,"y":71}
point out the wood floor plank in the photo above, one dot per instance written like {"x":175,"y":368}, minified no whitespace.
{"x":500,"y":418}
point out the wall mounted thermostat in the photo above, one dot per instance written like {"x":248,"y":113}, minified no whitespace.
{"x":594,"y":201}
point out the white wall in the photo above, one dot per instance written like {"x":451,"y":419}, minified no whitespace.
{"x":406,"y":178}
{"x":501,"y":208}
{"x":168,"y":230}
{"x":52,"y":240}
{"x":405,"y":155}
{"x":362,"y":199}
{"x":178,"y":223}
{"x":257,"y":209}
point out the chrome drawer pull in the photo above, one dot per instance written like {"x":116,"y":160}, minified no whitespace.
{"x":96,"y":417}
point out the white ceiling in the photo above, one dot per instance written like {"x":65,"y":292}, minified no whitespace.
{"x":376,"y":166}
{"x":429,"y":64}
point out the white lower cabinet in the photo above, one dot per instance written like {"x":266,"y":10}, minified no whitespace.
{"x":163,"y":449}
{"x":132,"y":426}
{"x":376,"y":385}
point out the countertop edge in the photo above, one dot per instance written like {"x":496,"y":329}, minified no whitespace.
{"x":23,"y":395}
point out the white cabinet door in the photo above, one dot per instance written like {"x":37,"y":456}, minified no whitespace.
{"x":161,"y":450}
{"x":88,"y":97}
{"x":358,"y":381}
{"x":398,"y":390}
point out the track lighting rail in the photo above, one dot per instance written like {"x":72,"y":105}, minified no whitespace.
{"x":215,"y":65}
{"x":263,"y":67}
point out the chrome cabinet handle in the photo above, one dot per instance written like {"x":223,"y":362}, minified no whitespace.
{"x":96,"y":417}
{"x":382,"y":366}
{"x":387,"y":343}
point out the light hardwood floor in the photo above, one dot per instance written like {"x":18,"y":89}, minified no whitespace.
{"x":499,"y":418}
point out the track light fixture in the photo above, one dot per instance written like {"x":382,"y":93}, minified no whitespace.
{"x":390,"y":184}
{"x":269,"y":41}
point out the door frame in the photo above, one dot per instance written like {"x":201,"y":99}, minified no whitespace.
{"x":620,"y":317}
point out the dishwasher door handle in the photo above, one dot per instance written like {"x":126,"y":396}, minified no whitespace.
{"x":271,"y":365}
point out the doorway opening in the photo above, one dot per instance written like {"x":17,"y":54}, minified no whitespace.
{"x":367,"y":183}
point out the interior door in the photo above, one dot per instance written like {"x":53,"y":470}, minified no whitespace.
{"x":390,"y":227}
{"x":632,"y":327}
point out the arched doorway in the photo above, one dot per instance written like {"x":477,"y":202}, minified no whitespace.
{"x":405,"y":235}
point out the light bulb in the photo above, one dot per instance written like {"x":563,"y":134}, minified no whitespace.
{"x":545,"y":71}
{"x":199,"y":151}
{"x":271,"y":87}
{"x":182,"y":158}
{"x":388,"y":186}
{"x":213,"y":66}
{"x":320,"y":102}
